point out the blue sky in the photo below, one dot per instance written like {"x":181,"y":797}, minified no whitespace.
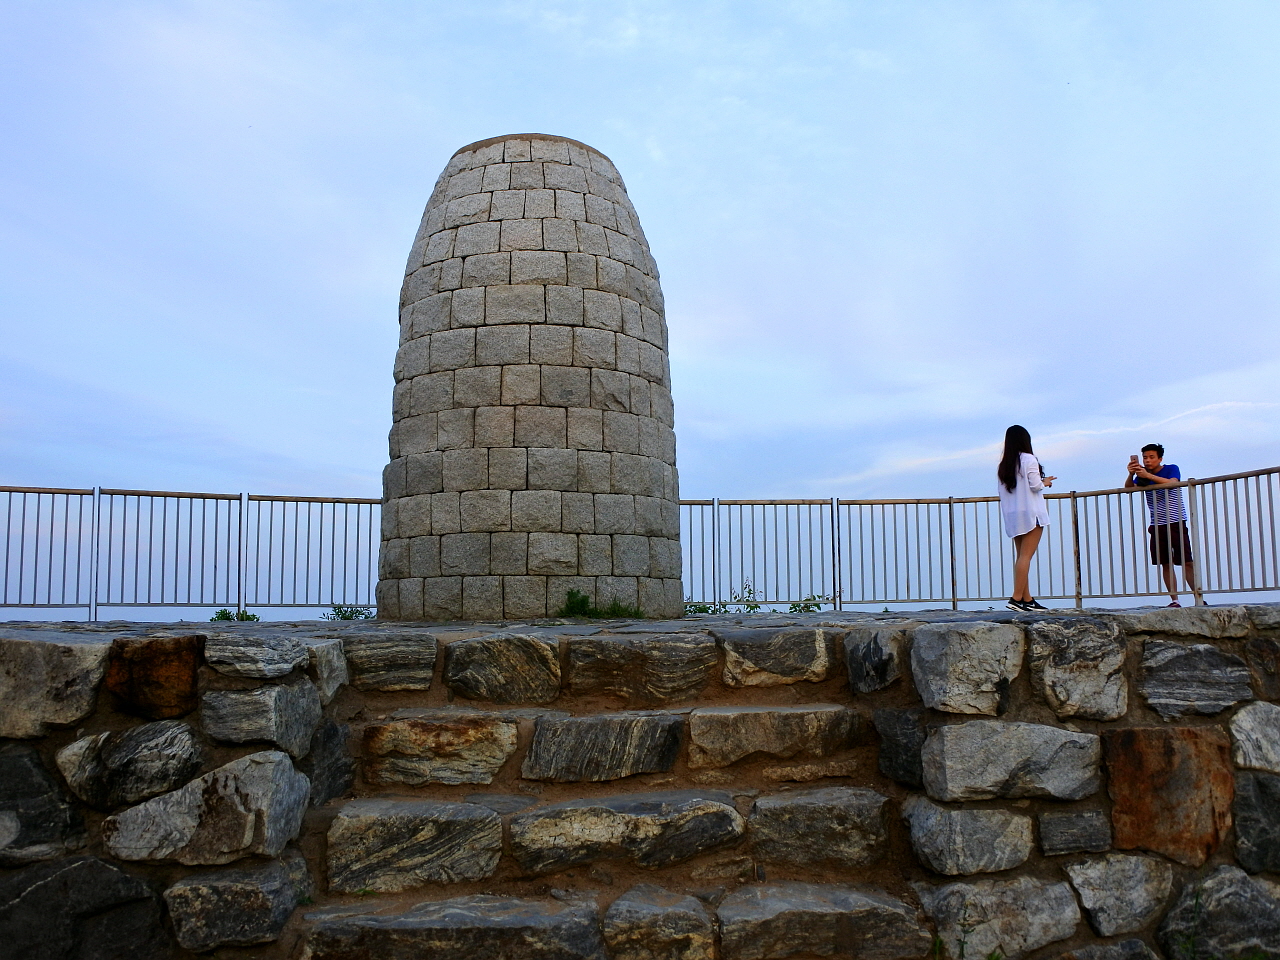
{"x":886,"y":230}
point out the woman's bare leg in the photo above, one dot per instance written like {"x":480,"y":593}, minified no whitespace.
{"x":1026,"y":546}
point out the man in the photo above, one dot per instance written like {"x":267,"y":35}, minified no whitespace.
{"x":1170,"y":545}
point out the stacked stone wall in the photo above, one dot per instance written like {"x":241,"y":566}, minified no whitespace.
{"x":1067,"y":787}
{"x":533,"y":450}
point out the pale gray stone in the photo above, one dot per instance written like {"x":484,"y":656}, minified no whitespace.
{"x":1227,"y":914}
{"x":48,"y":679}
{"x":1077,"y":665}
{"x":982,"y":759}
{"x":778,"y":920}
{"x":1012,"y":916}
{"x":650,"y":669}
{"x":649,"y":829}
{"x":390,"y":845}
{"x":504,"y":668}
{"x":237,"y":906}
{"x":874,"y":655}
{"x":719,"y":736}
{"x":1124,"y":950}
{"x":328,"y":666}
{"x":602,"y":746}
{"x":1121,"y":893}
{"x":1180,"y":678}
{"x":1074,"y":831}
{"x":966,"y":841}
{"x":285,"y":714}
{"x":966,"y":667}
{"x":477,"y":927}
{"x":261,"y":657}
{"x":771,"y":657}
{"x":838,"y":827}
{"x":1212,"y":622}
{"x":399,"y":660}
{"x":438,"y":746}
{"x":36,"y":820}
{"x":1255,"y":730}
{"x":648,"y":923}
{"x":253,"y":805}
{"x":109,"y":770}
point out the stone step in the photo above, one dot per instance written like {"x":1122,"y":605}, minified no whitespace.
{"x":756,"y":922}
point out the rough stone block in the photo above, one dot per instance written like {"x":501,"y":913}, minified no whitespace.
{"x":253,"y":805}
{"x":395,"y":660}
{"x":719,"y":736}
{"x":902,"y":736}
{"x":328,"y":763}
{"x":602,"y":746}
{"x":874,"y":655}
{"x":1013,"y":917}
{"x":261,"y":657}
{"x":649,"y":669}
{"x":328,"y":667}
{"x":1121,"y":893}
{"x":1124,"y":950}
{"x":966,"y":667}
{"x":1257,"y":819}
{"x":36,"y":821}
{"x":615,"y":513}
{"x":442,"y":598}
{"x":109,"y":770}
{"x":1256,"y":731}
{"x":155,"y":677}
{"x":391,"y":845}
{"x":525,"y":596}
{"x":49,"y":679}
{"x":1181,"y":678}
{"x":1227,"y":914}
{"x":478,"y":927}
{"x":648,"y":922}
{"x":237,"y":907}
{"x":482,"y":598}
{"x":507,"y":204}
{"x":283,"y":714}
{"x":1171,"y":790}
{"x":771,"y":657}
{"x":465,"y":553}
{"x":504,"y":668}
{"x":836,"y":827}
{"x":438,"y":747}
{"x":778,"y":920}
{"x":519,"y":303}
{"x":1193,"y":622}
{"x":81,"y":908}
{"x":540,"y":426}
{"x":982,"y":759}
{"x":1074,"y":831}
{"x":1077,"y":665}
{"x":552,"y":554}
{"x":483,"y":511}
{"x":650,"y":829}
{"x":535,"y":510}
{"x":966,"y":841}
{"x":594,"y":476}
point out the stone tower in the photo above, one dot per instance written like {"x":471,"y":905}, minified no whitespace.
{"x":532,"y":449}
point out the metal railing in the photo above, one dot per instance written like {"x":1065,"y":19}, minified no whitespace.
{"x":94,"y":548}
{"x":949,"y":551}
{"x":97,"y":548}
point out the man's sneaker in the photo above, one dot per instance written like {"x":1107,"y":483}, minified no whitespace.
{"x":1174,"y":604}
{"x":1033,"y":604}
{"x":1019,"y":605}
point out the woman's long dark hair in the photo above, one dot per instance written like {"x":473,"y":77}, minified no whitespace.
{"x":1016,"y":441}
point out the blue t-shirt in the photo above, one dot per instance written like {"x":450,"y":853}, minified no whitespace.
{"x":1164,"y":506}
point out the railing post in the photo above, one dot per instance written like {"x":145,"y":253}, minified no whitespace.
{"x":241,"y":548}
{"x":715,"y":551}
{"x":1075,"y":551}
{"x":1196,"y":590}
{"x":951,"y":548}
{"x":836,"y":579}
{"x":94,"y":521}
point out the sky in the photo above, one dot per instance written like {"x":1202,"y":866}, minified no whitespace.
{"x":886,"y":230}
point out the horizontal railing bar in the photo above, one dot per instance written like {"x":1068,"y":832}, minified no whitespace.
{"x":697,"y":503}
{"x":67,"y":490}
{"x":773,"y":503}
{"x":259,"y":496}
{"x":169,"y":493}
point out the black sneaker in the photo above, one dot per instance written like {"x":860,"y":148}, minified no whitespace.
{"x":1033,"y":604}
{"x":1019,"y":605}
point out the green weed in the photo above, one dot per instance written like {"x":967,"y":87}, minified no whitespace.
{"x":578,"y":604}
{"x":340,"y":612}
{"x":225,"y":614}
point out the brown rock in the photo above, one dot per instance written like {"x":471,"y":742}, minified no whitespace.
{"x":442,"y":746}
{"x":1172,"y":789}
{"x":155,"y":676}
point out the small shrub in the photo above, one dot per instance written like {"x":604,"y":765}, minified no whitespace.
{"x":225,"y":614}
{"x":578,"y":604}
{"x":340,"y":612}
{"x":810,"y":604}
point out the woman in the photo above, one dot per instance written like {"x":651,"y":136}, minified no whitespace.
{"x":1022,"y":485}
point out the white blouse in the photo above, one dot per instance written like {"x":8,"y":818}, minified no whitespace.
{"x":1024,"y":507}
